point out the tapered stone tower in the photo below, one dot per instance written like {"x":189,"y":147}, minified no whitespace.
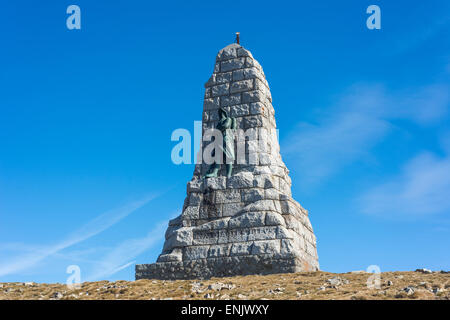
{"x":247,"y":223}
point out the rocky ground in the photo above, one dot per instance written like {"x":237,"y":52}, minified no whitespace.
{"x":422,"y":284}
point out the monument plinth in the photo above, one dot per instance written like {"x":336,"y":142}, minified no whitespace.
{"x":239,"y":219}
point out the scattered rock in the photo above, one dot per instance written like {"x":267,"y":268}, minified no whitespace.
{"x":436,"y":290}
{"x":220,"y":286}
{"x":57,"y":295}
{"x":335,"y":282}
{"x":423,"y":270}
{"x":423,"y":284}
{"x":241,"y":296}
{"x":409,"y":290}
{"x":389,"y":283}
{"x":197,"y":287}
{"x":276,"y":291}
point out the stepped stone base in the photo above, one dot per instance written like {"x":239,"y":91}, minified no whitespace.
{"x":222,"y":267}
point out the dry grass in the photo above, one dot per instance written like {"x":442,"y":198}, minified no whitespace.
{"x":303,"y":285}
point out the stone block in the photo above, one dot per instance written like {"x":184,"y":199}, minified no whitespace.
{"x":265,"y":159}
{"x":181,"y":237}
{"x":262,"y":233}
{"x":272,"y":194}
{"x":231,"y":209}
{"x":287,"y":207}
{"x":217,"y":67}
{"x":205,"y":237}
{"x":224,"y":77}
{"x":288,"y":247}
{"x":220,"y":250}
{"x":247,"y":220}
{"x":252,"y":195}
{"x":261,"y":205}
{"x":241,"y":52}
{"x":284,"y":233}
{"x":228,"y":196}
{"x":238,"y":249}
{"x":251,"y":73}
{"x":211,"y":81}
{"x":209,"y":211}
{"x":195,"y":252}
{"x":253,"y":96}
{"x":274,"y":219}
{"x":264,"y":181}
{"x":240,"y":180}
{"x":175,"y":255}
{"x":238,"y":75}
{"x":232,"y":64}
{"x":257,"y":108}
{"x":214,"y":225}
{"x":253,"y":122}
{"x":170,"y":230}
{"x":240,"y":86}
{"x":175,"y":221}
{"x":191,"y":212}
{"x":266,"y":247}
{"x":195,"y":199}
{"x":228,"y":52}
{"x":216,"y":183}
{"x":230,"y":100}
{"x":212,"y":103}
{"x":240,"y":110}
{"x":207,"y":93}
{"x":220,"y":90}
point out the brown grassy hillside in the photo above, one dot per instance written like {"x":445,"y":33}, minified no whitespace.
{"x":303,"y":285}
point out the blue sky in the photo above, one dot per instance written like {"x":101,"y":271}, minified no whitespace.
{"x":86,"y":117}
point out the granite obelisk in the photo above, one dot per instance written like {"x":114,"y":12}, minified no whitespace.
{"x":245,"y":222}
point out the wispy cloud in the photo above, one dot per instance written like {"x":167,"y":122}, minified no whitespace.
{"x":399,"y":44}
{"x":117,"y":258}
{"x":92,"y":228}
{"x":422,"y":189}
{"x":360,"y":119}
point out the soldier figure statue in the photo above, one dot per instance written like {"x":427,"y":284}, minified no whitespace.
{"x":226,"y":126}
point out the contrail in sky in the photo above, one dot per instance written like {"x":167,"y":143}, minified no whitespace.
{"x":92,"y":228}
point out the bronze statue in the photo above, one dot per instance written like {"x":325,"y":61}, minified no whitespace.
{"x":226,"y":126}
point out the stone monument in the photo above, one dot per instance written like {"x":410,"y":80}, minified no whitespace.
{"x":243,"y":220}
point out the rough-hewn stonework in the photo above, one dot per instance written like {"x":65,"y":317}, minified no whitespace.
{"x":248,"y":223}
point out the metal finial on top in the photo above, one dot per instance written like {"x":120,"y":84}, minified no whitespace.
{"x":237,"y":37}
